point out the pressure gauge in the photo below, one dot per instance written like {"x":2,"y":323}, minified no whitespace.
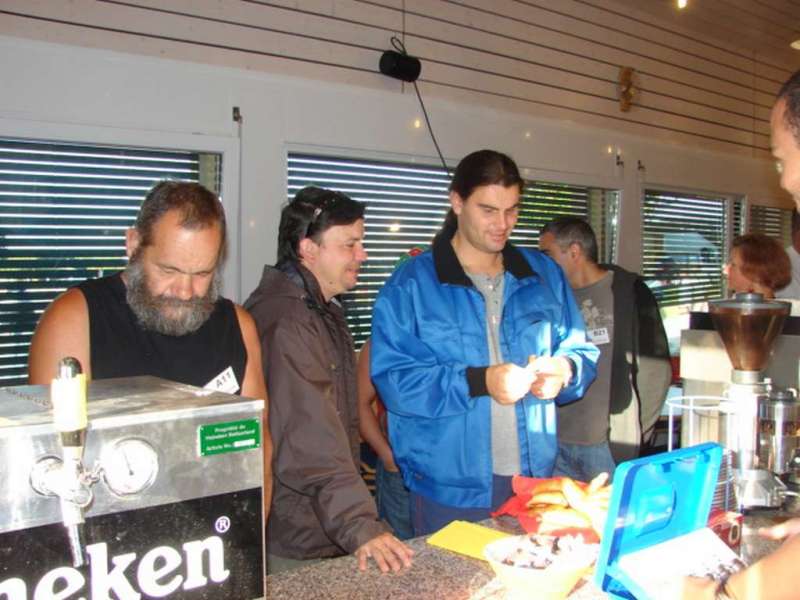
{"x":130,"y":466}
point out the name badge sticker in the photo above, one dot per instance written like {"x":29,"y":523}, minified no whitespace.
{"x":224,"y":382}
{"x":598,"y":336}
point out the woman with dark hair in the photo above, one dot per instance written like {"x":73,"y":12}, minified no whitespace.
{"x":758,"y":263}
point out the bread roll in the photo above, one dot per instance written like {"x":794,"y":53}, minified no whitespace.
{"x":554,"y":484}
{"x":555,"y":518}
{"x":556,"y":498}
{"x":597,"y":483}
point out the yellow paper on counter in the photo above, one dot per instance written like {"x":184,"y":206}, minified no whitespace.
{"x":465,"y":538}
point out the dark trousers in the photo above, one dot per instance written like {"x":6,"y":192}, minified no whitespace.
{"x":392,"y":499}
{"x":428,"y":516}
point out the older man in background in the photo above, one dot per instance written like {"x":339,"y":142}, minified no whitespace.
{"x":619,"y":410}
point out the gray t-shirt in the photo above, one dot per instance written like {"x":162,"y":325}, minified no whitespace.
{"x":585,"y":421}
{"x":505,"y":440}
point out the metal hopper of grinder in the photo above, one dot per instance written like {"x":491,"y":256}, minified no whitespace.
{"x":749,"y":326}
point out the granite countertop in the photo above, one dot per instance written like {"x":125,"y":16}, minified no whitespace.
{"x":753,"y":545}
{"x":435,"y":573}
{"x":440,"y":574}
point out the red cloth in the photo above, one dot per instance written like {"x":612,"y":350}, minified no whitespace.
{"x":528,"y":518}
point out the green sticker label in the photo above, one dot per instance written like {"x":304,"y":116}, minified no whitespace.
{"x":231,"y":436}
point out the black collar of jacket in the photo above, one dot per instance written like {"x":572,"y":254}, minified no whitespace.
{"x":307,"y":281}
{"x":623,"y":279}
{"x":449,"y":269}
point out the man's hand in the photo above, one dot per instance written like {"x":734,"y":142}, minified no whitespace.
{"x":391,"y":466}
{"x":387,"y":551}
{"x":783,"y":530}
{"x":551,"y":374}
{"x":508,"y":382}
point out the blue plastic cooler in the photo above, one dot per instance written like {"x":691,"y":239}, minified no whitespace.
{"x":654,"y":499}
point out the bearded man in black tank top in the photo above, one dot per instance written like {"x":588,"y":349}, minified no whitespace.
{"x":162,"y":315}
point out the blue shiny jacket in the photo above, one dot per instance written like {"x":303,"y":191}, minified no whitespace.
{"x":429,"y":357}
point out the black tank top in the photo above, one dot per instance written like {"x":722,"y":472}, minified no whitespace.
{"x":121,"y":347}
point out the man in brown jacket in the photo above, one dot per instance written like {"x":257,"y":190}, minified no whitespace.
{"x":321,"y":507}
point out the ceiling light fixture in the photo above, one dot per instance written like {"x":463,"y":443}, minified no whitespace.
{"x":682,"y":3}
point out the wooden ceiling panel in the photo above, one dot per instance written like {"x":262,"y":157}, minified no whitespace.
{"x":762,"y":27}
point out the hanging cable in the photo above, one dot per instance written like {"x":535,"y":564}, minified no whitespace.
{"x":430,"y":129}
{"x":239,"y":120}
{"x":398,"y":45}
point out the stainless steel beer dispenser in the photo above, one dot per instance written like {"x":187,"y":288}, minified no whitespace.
{"x":165,"y":500}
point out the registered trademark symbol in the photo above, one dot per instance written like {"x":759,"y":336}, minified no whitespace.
{"x":222,"y":525}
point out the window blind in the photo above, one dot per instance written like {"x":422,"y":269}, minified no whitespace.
{"x":772,"y":221}
{"x":64,"y":209}
{"x":405,"y":207}
{"x":683,"y":242}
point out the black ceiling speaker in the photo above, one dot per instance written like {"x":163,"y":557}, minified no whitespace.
{"x":400,"y":66}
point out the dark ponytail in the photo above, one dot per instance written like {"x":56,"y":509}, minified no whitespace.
{"x":481,"y":168}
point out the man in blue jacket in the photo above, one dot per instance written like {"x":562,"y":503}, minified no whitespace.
{"x":472,"y":341}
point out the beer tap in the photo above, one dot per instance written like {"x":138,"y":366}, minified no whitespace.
{"x":67,"y":478}
{"x":68,"y":396}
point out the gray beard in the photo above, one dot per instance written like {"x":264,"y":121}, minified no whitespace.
{"x":151,"y":310}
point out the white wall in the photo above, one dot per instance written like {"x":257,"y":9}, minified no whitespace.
{"x":68,"y":92}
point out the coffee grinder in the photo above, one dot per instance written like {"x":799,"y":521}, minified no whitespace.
{"x":748,"y":326}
